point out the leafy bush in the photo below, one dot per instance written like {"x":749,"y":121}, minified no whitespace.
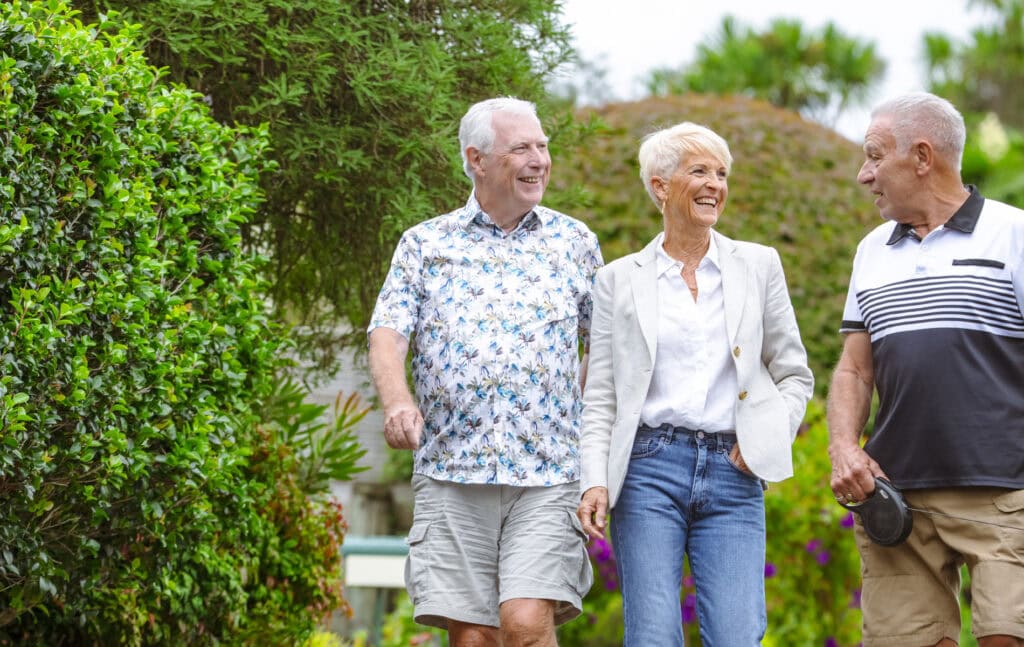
{"x":327,"y":452}
{"x":993,"y":157}
{"x":143,"y":501}
{"x":813,"y":588}
{"x":363,"y":101}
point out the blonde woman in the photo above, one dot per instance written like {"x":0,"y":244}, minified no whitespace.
{"x":697,"y":384}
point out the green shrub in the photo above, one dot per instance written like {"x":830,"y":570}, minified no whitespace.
{"x":143,"y":502}
{"x":813,"y":588}
{"x":363,"y":101}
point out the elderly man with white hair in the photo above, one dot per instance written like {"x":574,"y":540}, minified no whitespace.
{"x":495,"y":299}
{"x":934,"y":321}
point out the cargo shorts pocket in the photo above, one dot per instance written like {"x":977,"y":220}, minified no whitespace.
{"x":579,"y":574}
{"x":1011,"y":504}
{"x":414,"y":562}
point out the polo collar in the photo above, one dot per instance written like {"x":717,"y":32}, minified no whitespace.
{"x":964,"y":220}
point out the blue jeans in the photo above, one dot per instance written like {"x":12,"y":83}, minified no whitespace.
{"x":683,"y":496}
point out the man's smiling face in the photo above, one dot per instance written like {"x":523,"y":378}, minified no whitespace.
{"x":510,"y":179}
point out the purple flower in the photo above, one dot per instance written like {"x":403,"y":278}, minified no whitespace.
{"x":689,"y":609}
{"x":813,"y":545}
{"x":600,"y":550}
{"x":769,"y":570}
{"x":688,"y":582}
{"x":610,"y":585}
{"x":855,"y":599}
{"x":847,"y":521}
{"x":831,"y":642}
{"x":822,"y":557}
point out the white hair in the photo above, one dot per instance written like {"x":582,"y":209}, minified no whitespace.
{"x":922,"y":115}
{"x":477,"y":128}
{"x":662,"y":152}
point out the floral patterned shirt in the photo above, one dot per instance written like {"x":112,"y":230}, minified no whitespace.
{"x":495,"y":320}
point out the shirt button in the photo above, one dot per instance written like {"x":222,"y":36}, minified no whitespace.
{"x":743,"y":395}
{"x":736,"y":352}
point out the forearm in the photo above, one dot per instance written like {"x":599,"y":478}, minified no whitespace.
{"x":849,"y":406}
{"x":387,"y":368}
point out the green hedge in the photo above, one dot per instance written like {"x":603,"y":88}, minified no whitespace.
{"x":142,"y":501}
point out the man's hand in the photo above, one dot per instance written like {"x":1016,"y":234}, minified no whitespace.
{"x":592,"y":511}
{"x":403,"y":427}
{"x":853,"y":473}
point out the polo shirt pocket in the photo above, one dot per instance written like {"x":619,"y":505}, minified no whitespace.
{"x":980,"y":262}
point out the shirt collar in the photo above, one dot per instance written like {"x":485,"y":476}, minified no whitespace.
{"x":473,"y":213}
{"x":965,"y":218}
{"x":666,"y":262}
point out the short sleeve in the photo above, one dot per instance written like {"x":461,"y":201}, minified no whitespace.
{"x":853,"y":319}
{"x":398,"y":303}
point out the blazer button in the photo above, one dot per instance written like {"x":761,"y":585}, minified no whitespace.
{"x":743,"y":395}
{"x":736,"y":352}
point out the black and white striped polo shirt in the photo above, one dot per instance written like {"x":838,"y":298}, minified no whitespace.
{"x":946,"y":320}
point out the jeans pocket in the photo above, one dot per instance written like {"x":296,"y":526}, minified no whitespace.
{"x":647,"y":443}
{"x":736,"y":468}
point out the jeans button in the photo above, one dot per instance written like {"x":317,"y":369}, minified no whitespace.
{"x":700,"y":434}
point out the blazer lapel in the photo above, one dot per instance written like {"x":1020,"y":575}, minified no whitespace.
{"x":734,"y":283}
{"x":644,"y":284}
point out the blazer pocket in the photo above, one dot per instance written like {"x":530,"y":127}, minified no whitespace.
{"x":980,"y":262}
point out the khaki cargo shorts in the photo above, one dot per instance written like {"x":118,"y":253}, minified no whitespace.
{"x":472,"y":547}
{"x":910,"y":592}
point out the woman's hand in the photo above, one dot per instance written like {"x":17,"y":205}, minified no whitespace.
{"x":737,"y":459}
{"x":593,"y":510}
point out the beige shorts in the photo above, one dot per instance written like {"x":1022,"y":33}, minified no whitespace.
{"x":910,"y":593}
{"x":472,"y":547}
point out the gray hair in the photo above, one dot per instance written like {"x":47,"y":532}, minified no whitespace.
{"x":926,"y":116}
{"x":662,"y":152}
{"x":477,"y":130}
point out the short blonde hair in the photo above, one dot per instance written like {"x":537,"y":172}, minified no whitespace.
{"x":662,"y":152}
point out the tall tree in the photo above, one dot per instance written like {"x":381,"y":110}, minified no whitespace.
{"x":985,"y":74}
{"x":362,"y":99}
{"x":819,"y":73}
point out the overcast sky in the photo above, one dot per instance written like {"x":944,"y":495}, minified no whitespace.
{"x":630,"y":37}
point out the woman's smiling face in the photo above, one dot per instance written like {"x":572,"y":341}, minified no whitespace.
{"x":697,"y":191}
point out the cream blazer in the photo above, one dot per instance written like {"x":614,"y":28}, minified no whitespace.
{"x":771,"y":363}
